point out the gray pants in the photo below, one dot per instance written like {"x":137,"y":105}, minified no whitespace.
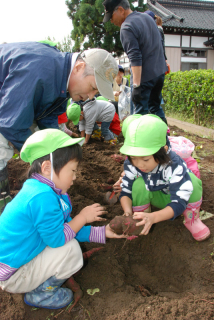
{"x":6,"y":152}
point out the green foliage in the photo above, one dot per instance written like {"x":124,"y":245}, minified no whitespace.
{"x":65,"y":45}
{"x":88,"y":28}
{"x":191,"y":93}
{"x":128,"y":77}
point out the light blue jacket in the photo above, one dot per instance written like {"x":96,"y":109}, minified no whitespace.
{"x":33,"y":220}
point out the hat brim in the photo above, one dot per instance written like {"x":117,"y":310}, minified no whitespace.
{"x":75,"y":122}
{"x":104,"y":87}
{"x":138,"y":151}
{"x":107,"y":16}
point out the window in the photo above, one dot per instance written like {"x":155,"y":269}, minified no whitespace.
{"x":194,"y":53}
{"x":192,"y":65}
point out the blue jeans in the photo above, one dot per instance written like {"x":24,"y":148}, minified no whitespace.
{"x":106,"y":133}
{"x":151,"y":98}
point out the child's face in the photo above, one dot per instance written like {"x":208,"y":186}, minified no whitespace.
{"x":66,"y":176}
{"x":145,"y":164}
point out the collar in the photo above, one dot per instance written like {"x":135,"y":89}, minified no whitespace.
{"x":74,"y":58}
{"x":44,"y":180}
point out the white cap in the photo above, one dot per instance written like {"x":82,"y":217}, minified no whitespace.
{"x":105,"y":70}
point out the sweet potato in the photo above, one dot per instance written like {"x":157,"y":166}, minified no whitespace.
{"x":125,"y":225}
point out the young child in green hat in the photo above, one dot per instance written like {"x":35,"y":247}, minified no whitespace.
{"x":93,"y":110}
{"x":39,"y":240}
{"x":153,"y":174}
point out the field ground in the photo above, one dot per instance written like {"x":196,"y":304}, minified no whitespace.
{"x":166,"y":275}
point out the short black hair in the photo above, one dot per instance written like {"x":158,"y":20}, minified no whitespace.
{"x":161,"y":156}
{"x":61,"y":157}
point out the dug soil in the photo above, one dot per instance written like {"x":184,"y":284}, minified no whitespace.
{"x":164,"y":275}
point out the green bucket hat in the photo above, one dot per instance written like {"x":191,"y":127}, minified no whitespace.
{"x":73,"y":113}
{"x":144,"y":136}
{"x":43,"y":142}
{"x":128,"y":120}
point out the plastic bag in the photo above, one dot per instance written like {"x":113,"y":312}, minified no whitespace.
{"x":124,"y":102}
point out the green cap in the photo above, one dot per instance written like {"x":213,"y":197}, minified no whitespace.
{"x":73,"y":113}
{"x":144,"y":136}
{"x":51,"y":43}
{"x":128,"y":120}
{"x":43,"y":142}
{"x":101,"y":98}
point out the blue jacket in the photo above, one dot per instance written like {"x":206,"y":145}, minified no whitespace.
{"x":33,"y":220}
{"x":33,"y":86}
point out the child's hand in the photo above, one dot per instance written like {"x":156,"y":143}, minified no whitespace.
{"x":116,"y":187}
{"x":111,"y":234}
{"x":92,"y":213}
{"x":75,"y":135}
{"x":147,"y":220}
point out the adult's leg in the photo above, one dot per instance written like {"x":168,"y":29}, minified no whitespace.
{"x":154,"y":103}
{"x":6,"y":153}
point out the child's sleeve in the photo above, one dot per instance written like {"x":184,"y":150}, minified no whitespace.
{"x":180,"y":187}
{"x":128,"y":179}
{"x":90,"y":116}
{"x":82,"y":125}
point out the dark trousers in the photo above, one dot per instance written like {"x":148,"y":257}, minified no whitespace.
{"x":151,"y":98}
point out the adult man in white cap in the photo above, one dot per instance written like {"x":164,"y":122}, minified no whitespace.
{"x":36,"y":80}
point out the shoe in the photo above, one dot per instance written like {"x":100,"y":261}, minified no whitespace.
{"x":112,"y":141}
{"x":49,"y":295}
{"x":5,"y":196}
{"x":96,"y":135}
{"x":193,"y":223}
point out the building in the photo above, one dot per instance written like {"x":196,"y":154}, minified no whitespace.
{"x":188,"y":26}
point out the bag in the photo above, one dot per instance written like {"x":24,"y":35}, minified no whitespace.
{"x":184,"y":148}
{"x":124,"y":102}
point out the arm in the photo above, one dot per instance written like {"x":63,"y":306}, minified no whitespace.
{"x":126,"y":204}
{"x":148,"y":219}
{"x":136,"y":71}
{"x":87,"y":137}
{"x":87,"y":215}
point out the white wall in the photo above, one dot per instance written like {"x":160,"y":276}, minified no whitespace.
{"x":197,"y":42}
{"x":185,"y":41}
{"x":172,"y":40}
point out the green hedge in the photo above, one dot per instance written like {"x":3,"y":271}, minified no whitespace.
{"x":190,"y":94}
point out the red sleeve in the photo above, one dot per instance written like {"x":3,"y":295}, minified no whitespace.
{"x":115,"y":125}
{"x":62,"y":118}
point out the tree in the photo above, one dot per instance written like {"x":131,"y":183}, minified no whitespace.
{"x":65,"y":45}
{"x":88,"y":28}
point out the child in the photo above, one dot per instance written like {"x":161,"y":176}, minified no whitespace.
{"x":93,"y":110}
{"x":115,"y":124}
{"x":156,"y":175}
{"x":39,"y":248}
{"x":62,"y":119}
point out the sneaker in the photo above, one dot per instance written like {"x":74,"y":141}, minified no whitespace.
{"x":112,"y":142}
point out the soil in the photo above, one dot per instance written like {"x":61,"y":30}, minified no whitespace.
{"x":164,"y":275}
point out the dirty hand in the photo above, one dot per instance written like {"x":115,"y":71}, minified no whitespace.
{"x":92,"y":213}
{"x":116,"y":187}
{"x":147,"y":221}
{"x":75,"y":135}
{"x":117,"y":93}
{"x":111,"y":234}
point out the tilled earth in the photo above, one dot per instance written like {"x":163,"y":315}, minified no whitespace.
{"x":164,"y":275}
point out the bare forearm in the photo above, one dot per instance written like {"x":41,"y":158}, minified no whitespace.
{"x":77,"y":222}
{"x":87,"y":137}
{"x":126,"y":204}
{"x":136,"y":71}
{"x":162,"y":215}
